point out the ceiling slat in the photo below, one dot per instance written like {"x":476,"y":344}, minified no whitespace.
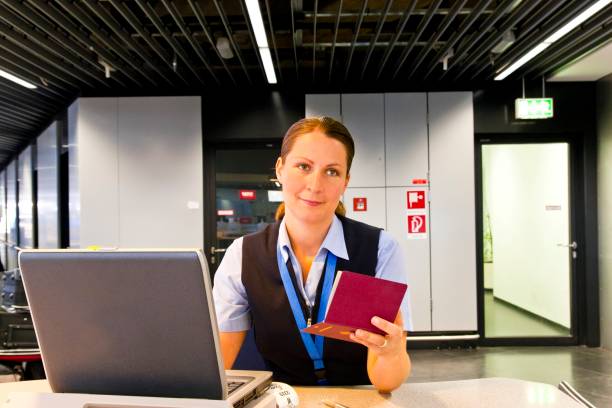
{"x":197,"y":10}
{"x":64,"y":22}
{"x":457,"y":35}
{"x":89,"y":23}
{"x":120,"y":32}
{"x":518,"y":14}
{"x":415,"y":37}
{"x":379,"y":27}
{"x":171,"y":7}
{"x":355,"y":37}
{"x":230,"y":37}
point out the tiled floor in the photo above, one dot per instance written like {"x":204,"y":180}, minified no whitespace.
{"x":502,"y":320}
{"x":588,"y":370}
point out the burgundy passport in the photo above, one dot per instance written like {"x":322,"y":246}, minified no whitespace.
{"x":354,"y":300}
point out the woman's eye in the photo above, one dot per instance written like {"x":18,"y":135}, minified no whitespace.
{"x":303,"y":166}
{"x":333,"y":172}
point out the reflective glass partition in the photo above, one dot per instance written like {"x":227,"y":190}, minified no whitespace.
{"x":3,"y":220}
{"x":74,"y":197}
{"x":24,"y":178}
{"x":48,"y":188}
{"x":11,"y":214}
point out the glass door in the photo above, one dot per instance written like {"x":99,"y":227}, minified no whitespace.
{"x":246,"y":195}
{"x":528,"y":252}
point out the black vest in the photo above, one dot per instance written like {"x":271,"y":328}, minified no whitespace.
{"x":276,"y":333}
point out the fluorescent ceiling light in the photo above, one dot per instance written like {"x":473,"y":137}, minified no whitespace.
{"x":575,"y":22}
{"x":266,"y":58}
{"x":19,"y":81}
{"x":261,"y":39}
{"x":257,"y":23}
{"x":521,"y":61}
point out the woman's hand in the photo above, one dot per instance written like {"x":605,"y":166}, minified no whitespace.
{"x":388,"y":361}
{"x":394,"y":343}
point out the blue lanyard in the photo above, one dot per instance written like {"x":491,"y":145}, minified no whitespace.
{"x":314,"y":348}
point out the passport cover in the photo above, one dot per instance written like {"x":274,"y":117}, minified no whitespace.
{"x":354,"y":300}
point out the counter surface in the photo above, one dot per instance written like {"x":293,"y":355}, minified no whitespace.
{"x":486,"y":392}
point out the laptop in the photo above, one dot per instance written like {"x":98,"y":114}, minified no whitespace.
{"x":131,"y":322}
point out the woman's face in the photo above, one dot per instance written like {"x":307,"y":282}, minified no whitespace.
{"x":314,"y":177}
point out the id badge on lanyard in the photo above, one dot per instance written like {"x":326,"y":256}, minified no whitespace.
{"x":313,"y":347}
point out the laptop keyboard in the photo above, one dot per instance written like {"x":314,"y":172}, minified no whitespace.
{"x":233,"y":386}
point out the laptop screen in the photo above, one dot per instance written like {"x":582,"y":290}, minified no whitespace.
{"x":125,"y":322}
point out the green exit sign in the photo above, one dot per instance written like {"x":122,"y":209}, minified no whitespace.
{"x":533,"y":108}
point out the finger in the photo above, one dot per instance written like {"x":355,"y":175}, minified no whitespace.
{"x":371,"y":338}
{"x":386,"y":326}
{"x":366,"y":343}
{"x":399,"y":319}
{"x":358,"y":340}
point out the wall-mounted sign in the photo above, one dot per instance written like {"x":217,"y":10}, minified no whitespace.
{"x":223,"y":213}
{"x":415,"y":199}
{"x":245,"y":220}
{"x":360,"y":204}
{"x":247,"y":194}
{"x":275,"y":196}
{"x":533,"y":108}
{"x":417,"y":226}
{"x":419,"y":181}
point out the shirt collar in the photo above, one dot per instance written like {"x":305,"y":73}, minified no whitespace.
{"x":333,"y":242}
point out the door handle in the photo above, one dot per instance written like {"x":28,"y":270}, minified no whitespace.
{"x":214,"y":251}
{"x":573,"y":245}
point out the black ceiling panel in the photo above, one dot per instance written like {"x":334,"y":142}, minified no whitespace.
{"x":169,"y":46}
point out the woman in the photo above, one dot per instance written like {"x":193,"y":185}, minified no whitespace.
{"x":312,"y":238}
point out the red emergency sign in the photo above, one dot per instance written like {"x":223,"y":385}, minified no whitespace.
{"x":247,"y":194}
{"x":360,"y":204}
{"x":417,"y":224}
{"x":415,"y":199}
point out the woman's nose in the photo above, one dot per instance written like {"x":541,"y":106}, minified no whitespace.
{"x":314,"y":181}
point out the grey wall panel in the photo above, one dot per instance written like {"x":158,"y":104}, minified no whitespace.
{"x":25,"y":185}
{"x":96,"y":137}
{"x":74,"y":195}
{"x":405,"y":138}
{"x":375,"y":214}
{"x":160,"y":172}
{"x":452,"y":209}
{"x":323,"y":105}
{"x":48,"y":188}
{"x":416,"y":254}
{"x":3,"y":205}
{"x":363,"y":115}
{"x":11,"y":202}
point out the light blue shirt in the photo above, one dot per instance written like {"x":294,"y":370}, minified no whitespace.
{"x":231,"y":302}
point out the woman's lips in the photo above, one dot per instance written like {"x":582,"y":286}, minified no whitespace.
{"x":311,"y":203}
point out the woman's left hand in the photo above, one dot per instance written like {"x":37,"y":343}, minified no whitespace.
{"x":393,"y":344}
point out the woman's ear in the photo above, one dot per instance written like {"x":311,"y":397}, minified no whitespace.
{"x":348,"y":178}
{"x":278,"y":168}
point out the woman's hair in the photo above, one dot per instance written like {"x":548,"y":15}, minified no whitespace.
{"x":331,"y":128}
